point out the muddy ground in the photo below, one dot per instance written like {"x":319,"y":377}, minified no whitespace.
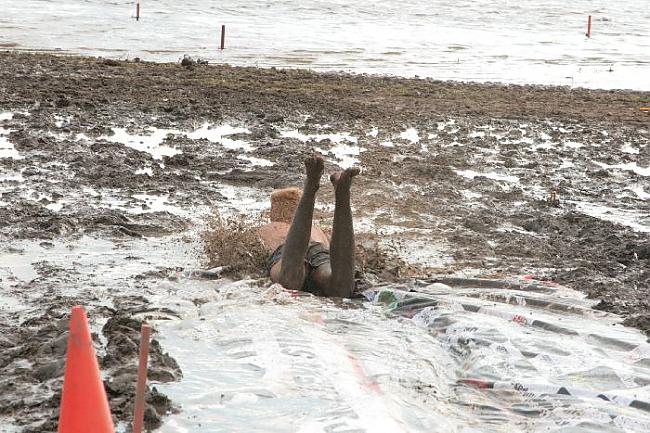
{"x":456,"y":181}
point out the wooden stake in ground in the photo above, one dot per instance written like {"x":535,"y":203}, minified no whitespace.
{"x":138,"y":416}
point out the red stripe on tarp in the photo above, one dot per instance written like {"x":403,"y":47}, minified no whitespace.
{"x":356,"y":366}
{"x":481,"y":384}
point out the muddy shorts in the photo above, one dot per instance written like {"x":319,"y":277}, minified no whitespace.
{"x":317,"y":255}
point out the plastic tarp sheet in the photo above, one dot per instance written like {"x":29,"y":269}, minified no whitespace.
{"x":474,"y":356}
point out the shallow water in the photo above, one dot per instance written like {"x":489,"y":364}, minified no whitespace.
{"x":7,"y":149}
{"x":151,"y":140}
{"x":488,"y":40}
{"x":637,"y":220}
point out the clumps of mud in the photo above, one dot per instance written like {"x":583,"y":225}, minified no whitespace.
{"x":32,"y":363}
{"x":232,"y":243}
{"x":32,"y":360}
{"x":376,"y":263}
{"x":28,"y":220}
{"x":122,"y":332}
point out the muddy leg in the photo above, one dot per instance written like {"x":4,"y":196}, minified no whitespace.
{"x":292,"y":268}
{"x":342,"y":247}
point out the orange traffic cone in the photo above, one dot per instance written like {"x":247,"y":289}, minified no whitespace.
{"x":84,"y":407}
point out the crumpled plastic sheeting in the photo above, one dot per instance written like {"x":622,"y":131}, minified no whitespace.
{"x":549,"y":352}
{"x":417,"y":358}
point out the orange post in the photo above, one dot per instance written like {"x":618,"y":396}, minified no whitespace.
{"x":84,"y":407}
{"x":138,"y":416}
{"x":589,"y":27}
{"x":223,"y":36}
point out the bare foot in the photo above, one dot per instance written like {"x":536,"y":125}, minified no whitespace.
{"x":314,"y":166}
{"x":343,"y":180}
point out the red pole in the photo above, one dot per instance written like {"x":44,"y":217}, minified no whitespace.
{"x":223,"y":35}
{"x":589,"y":27}
{"x":137,"y":11}
{"x":138,"y":417}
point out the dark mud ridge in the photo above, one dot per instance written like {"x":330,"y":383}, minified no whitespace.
{"x":104,"y":163}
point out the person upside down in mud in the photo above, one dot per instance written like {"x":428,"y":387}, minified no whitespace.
{"x":301,"y":255}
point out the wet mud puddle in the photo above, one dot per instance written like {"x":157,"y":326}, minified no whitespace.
{"x":518,"y":356}
{"x":100,"y":216}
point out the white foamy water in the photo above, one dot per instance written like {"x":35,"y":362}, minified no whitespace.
{"x":490,"y":40}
